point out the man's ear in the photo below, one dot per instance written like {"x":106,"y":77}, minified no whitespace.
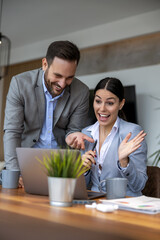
{"x":44,"y":64}
{"x":122,"y":104}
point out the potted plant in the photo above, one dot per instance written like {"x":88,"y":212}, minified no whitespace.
{"x":156,"y":154}
{"x":62,"y":167}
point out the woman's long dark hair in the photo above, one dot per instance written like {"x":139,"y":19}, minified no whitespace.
{"x":115,"y":86}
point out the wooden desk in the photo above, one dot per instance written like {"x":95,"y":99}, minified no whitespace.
{"x":27,"y":217}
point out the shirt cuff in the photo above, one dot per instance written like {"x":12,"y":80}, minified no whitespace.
{"x":122,"y":168}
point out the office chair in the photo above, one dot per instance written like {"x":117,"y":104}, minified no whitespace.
{"x":152,"y":188}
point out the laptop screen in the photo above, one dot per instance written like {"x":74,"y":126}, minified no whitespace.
{"x":34,"y":175}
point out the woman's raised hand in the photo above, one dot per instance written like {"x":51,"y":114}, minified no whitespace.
{"x":127,"y":147}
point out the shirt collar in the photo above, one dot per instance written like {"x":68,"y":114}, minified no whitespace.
{"x":95,"y":127}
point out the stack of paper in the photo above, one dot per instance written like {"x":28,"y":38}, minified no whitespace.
{"x":140,"y":204}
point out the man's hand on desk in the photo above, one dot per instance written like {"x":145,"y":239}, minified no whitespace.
{"x":76,"y":140}
{"x":20,"y":185}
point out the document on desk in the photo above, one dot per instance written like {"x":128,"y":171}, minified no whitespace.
{"x":142,"y":204}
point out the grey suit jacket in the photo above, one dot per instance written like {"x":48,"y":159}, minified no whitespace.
{"x":135,"y":172}
{"x":25,"y":113}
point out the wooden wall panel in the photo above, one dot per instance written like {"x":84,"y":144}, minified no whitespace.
{"x":128,"y":53}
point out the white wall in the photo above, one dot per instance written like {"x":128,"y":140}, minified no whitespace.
{"x":147,"y":82}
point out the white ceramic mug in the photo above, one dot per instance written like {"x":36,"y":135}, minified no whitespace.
{"x":115,"y":187}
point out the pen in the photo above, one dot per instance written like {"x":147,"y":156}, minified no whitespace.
{"x":93,"y":148}
{"x":95,"y":143}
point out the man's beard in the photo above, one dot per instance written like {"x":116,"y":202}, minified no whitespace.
{"x":48,"y":84}
{"x":49,"y":87}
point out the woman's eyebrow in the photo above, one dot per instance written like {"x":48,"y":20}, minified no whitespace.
{"x":97,"y":96}
{"x":111,"y":98}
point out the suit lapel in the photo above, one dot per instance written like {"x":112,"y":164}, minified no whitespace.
{"x":40,"y":98}
{"x":61,"y":103}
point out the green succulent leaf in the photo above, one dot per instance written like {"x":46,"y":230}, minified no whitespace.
{"x":156,"y":156}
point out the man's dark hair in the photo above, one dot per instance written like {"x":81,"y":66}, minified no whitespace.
{"x":62,"y":49}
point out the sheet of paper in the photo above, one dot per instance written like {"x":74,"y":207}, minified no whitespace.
{"x":141,"y":204}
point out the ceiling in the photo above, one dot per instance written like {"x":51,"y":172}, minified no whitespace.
{"x":28,"y":21}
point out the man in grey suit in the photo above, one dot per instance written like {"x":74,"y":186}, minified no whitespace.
{"x":48,"y":107}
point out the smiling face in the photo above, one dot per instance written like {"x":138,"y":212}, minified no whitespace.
{"x":58,"y":75}
{"x":106,"y":106}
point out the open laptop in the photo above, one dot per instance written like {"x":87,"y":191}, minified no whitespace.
{"x":35,"y":179}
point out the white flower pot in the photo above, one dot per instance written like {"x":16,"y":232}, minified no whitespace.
{"x":61,"y":191}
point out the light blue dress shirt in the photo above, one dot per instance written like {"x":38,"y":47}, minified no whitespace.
{"x":47,"y":139}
